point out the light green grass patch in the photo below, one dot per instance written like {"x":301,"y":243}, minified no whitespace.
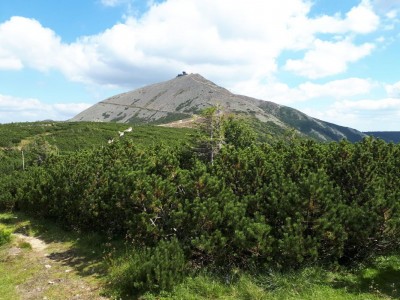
{"x":309,"y":284}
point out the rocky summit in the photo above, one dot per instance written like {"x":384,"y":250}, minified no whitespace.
{"x":186,"y":95}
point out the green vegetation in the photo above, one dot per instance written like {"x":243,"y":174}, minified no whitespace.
{"x":38,"y":140}
{"x":302,"y":123}
{"x":75,"y":261}
{"x":388,"y":136}
{"x":252,"y":222}
{"x":74,"y":136}
{"x":5,"y":235}
{"x":375,"y":282}
{"x":185,"y":106}
{"x":149,"y":269}
{"x":94,"y":256}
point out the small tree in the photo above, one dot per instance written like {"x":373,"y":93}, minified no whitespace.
{"x":212,"y":132}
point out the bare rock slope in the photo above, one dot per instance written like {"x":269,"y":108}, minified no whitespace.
{"x":182,"y":97}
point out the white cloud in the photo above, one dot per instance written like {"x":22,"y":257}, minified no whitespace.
{"x":369,"y":105}
{"x":393,"y":90}
{"x":386,"y":5}
{"x":391,"y":14}
{"x":14,"y":109}
{"x":112,"y":3}
{"x":328,"y":58}
{"x":337,"y":88}
{"x":362,"y":18}
{"x":12,"y":104}
{"x":212,"y":37}
{"x":235,"y":45}
{"x":364,"y":115}
{"x":10,"y":63}
{"x":279,"y":92}
{"x":25,"y":42}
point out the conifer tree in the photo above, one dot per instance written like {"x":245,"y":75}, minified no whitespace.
{"x":211,"y":133}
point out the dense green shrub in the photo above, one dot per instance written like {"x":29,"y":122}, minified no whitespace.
{"x":10,"y":187}
{"x":6,"y":200}
{"x":157,"y":268}
{"x":368,"y":176}
{"x":301,"y":205}
{"x":280,"y":205}
{"x":216,"y":223}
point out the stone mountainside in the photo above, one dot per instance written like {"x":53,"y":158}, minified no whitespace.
{"x":186,"y":95}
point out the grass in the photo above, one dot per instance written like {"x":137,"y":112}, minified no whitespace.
{"x":86,"y":257}
{"x":71,"y":264}
{"x":12,"y":274}
{"x":308,"y":284}
{"x":5,"y":235}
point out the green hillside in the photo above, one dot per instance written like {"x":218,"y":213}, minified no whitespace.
{"x":387,"y":136}
{"x":42,"y":138}
{"x":72,"y":136}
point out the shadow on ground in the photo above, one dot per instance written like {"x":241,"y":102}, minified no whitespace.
{"x":381,"y":278}
{"x":85,"y":252}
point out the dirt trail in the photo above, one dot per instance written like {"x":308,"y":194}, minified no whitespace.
{"x":187,"y":123}
{"x":52,"y":277}
{"x":36,"y":244}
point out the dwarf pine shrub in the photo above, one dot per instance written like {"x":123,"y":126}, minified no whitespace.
{"x":281,"y":205}
{"x":150,"y":269}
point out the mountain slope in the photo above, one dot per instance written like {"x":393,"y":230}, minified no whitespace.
{"x":184,"y":96}
{"x":387,"y":136}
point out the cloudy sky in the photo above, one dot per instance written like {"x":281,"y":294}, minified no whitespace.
{"x":335,"y":60}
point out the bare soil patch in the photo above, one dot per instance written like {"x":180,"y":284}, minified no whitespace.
{"x":54,"y":273}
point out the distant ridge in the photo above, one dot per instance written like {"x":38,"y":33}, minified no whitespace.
{"x":387,"y":136}
{"x":187,"y":94}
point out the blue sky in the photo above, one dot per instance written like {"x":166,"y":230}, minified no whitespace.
{"x":338,"y":61}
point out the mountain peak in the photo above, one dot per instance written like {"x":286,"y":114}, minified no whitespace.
{"x":188,"y":94}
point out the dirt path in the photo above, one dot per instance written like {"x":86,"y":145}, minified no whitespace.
{"x":51,"y":275}
{"x":36,"y":244}
{"x":187,"y":123}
